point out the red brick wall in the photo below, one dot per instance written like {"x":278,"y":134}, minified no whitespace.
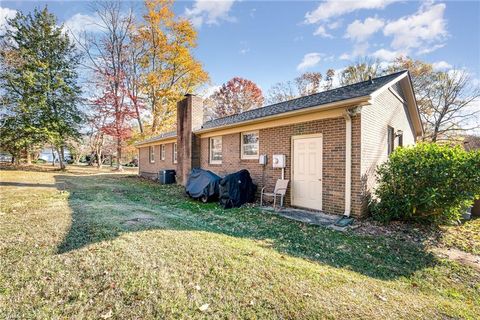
{"x":278,"y":141}
{"x":150,"y":170}
{"x":189,"y":117}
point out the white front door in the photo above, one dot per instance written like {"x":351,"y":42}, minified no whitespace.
{"x":307,"y":172}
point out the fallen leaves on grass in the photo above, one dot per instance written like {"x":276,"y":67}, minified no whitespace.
{"x":204,"y":307}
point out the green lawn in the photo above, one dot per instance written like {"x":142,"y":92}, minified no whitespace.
{"x":115,"y":246}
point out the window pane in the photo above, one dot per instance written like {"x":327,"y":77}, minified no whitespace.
{"x":216,"y":149}
{"x":250,"y":149}
{"x":216,"y":156}
{"x":250,"y":138}
{"x":151,"y":154}
{"x":390,"y":139}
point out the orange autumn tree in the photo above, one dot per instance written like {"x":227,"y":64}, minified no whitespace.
{"x":236,"y":96}
{"x":169,"y":68}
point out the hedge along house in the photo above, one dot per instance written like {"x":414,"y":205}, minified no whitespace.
{"x":332,"y":142}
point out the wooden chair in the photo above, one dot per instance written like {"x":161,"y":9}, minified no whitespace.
{"x":279,"y":191}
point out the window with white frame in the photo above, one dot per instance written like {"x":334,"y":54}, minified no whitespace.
{"x":151,"y":153}
{"x":216,"y":150}
{"x":249,"y":145}
{"x":174,"y":153}
{"x":390,"y":140}
{"x":162,"y":152}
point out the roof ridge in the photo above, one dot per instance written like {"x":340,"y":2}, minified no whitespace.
{"x":310,"y":95}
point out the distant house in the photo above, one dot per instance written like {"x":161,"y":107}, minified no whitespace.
{"x":331,"y":141}
{"x":5,"y":156}
{"x":49,"y":154}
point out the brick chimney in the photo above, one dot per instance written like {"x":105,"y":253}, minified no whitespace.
{"x":189,"y":119}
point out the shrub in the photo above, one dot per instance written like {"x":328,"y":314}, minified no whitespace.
{"x":426,"y":182}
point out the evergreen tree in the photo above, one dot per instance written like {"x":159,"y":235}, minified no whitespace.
{"x":38,"y":80}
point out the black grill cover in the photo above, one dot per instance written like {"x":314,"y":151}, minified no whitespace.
{"x":236,"y":189}
{"x":202,"y":183}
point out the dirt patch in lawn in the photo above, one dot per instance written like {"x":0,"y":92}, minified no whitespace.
{"x":456,"y":242}
{"x":399,"y":230}
{"x":459,"y":256}
{"x":140,"y":218}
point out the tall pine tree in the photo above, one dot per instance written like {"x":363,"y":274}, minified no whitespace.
{"x":38,"y":80}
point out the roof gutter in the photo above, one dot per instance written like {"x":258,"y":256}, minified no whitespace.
{"x":152,"y":142}
{"x":358,"y":101}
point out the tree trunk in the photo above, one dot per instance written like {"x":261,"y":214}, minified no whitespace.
{"x":137,"y":111}
{"x":434,"y":135}
{"x":91,"y":159}
{"x":155,"y":123}
{"x":99,"y":159}
{"x":29,"y":156}
{"x":156,"y":119}
{"x":61,"y":158}
{"x":53,"y":156}
{"x":119,"y":156}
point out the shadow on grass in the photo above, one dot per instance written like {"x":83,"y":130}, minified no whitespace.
{"x":105,"y":206}
{"x":32,"y":185}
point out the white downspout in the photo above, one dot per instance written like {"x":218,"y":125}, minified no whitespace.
{"x":348,"y":163}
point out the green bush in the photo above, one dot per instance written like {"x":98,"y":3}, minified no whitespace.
{"x":426,"y":182}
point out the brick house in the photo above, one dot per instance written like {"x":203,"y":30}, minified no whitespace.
{"x":332,"y":142}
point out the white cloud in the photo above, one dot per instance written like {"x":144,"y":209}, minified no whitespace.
{"x":209,"y":12}
{"x":244,"y":48}
{"x":298,"y":38}
{"x":441,"y":66}
{"x":244,"y":51}
{"x":322,"y":32}
{"x":421,"y":30}
{"x":310,"y":60}
{"x":79,"y":23}
{"x":432,"y":48}
{"x":5,"y":13}
{"x":334,"y":8}
{"x":359,"y":49}
{"x":361,"y":31}
{"x":335,"y":25}
{"x":386,"y":55}
{"x":208,"y":91}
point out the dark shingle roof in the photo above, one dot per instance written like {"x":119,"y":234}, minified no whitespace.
{"x":171,"y":134}
{"x":355,"y":90}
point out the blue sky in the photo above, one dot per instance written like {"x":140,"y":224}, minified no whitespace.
{"x":272,"y":41}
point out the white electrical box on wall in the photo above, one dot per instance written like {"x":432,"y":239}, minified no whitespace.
{"x":278,"y":161}
{"x":262,"y":159}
